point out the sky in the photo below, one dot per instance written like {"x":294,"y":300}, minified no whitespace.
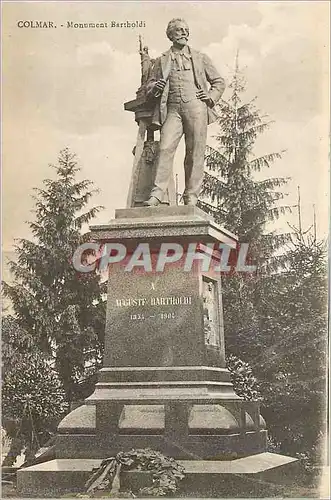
{"x":66,"y":87}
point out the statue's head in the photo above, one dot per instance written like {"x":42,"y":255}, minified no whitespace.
{"x":178,"y":32}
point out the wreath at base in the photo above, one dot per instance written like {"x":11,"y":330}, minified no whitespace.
{"x":166,"y":473}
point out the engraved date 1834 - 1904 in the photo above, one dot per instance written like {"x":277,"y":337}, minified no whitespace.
{"x":161,"y":315}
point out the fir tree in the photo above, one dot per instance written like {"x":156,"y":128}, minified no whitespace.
{"x":292,"y":366}
{"x":275,"y":319}
{"x":231,"y":192}
{"x":59,"y":307}
{"x":244,"y":205}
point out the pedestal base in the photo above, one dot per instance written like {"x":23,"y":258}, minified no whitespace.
{"x":220,"y":429}
{"x":261,"y":475}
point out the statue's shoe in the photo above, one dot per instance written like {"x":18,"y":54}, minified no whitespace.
{"x":152,"y":202}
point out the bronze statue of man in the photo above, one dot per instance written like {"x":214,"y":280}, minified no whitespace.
{"x":186,"y":86}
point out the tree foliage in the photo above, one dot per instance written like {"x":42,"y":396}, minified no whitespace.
{"x":231,"y":191}
{"x":275,"y":319}
{"x":59,"y":307}
{"x":245,"y":205}
{"x":33,"y":398}
{"x":244,"y":382}
{"x":292,"y":360}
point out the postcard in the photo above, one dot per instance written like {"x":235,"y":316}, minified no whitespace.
{"x":164,"y":247}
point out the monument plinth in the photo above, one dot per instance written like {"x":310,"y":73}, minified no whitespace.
{"x":164,"y":383}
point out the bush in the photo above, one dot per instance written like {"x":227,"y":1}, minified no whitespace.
{"x":244,"y":382}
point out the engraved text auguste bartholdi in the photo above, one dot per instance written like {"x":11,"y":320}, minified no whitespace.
{"x":154,"y":301}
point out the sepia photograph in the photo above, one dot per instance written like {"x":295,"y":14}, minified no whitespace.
{"x":165,"y":249}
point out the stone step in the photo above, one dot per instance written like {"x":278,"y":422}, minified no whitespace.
{"x":252,"y":476}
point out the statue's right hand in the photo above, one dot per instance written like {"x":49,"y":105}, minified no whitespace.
{"x":159,"y":85}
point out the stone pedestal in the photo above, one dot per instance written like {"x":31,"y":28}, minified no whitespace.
{"x":164,"y":383}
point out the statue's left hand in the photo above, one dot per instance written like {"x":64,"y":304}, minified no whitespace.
{"x":201,"y":94}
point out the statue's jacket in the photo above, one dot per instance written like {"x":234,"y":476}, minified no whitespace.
{"x":206,"y":76}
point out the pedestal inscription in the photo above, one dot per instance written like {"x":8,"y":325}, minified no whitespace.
{"x":154,"y":319}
